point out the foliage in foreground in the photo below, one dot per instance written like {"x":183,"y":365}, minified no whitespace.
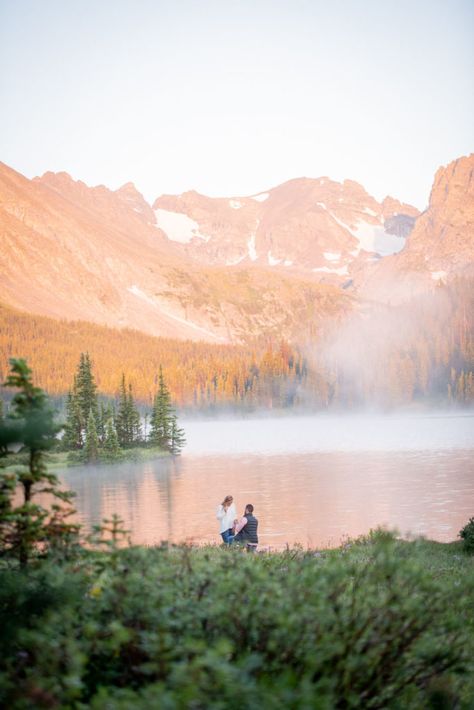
{"x":27,"y":527}
{"x":467,"y":535}
{"x":371,"y":626}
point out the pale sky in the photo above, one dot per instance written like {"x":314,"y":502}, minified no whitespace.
{"x":231,"y":97}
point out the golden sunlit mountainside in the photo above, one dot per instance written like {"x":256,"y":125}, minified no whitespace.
{"x":278,"y":264}
{"x":95,"y":254}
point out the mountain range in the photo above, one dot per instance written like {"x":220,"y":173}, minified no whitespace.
{"x":188,"y":266}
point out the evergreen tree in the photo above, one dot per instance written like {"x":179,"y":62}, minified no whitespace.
{"x":28,"y":525}
{"x":161,"y":416}
{"x":73,"y":429}
{"x":111,"y":443}
{"x":128,"y":419}
{"x":104,"y":416}
{"x":86,"y":390}
{"x":121,"y":420}
{"x":164,"y":430}
{"x":178,"y":439}
{"x":91,"y":448}
{"x":134,"y":419}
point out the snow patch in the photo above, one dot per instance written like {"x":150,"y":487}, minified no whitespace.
{"x":177,"y":226}
{"x":321,"y":204}
{"x":271,"y":260}
{"x":373,"y":237}
{"x":367,"y":210}
{"x":287,"y":262}
{"x":439,"y":276}
{"x":261,"y":197}
{"x":235,"y":204}
{"x":342,"y":271}
{"x":332,"y":255}
{"x":137,"y":209}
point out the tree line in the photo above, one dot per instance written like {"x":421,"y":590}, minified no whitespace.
{"x":96,"y":430}
{"x":432,"y":362}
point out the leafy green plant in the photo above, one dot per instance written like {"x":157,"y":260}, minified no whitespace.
{"x":176,"y":627}
{"x":467,"y":535}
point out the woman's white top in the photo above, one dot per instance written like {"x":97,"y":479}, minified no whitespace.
{"x":226,"y":517}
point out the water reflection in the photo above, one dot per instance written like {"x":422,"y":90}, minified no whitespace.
{"x":313,"y":499}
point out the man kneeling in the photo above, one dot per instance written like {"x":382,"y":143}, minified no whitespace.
{"x":246,"y":529}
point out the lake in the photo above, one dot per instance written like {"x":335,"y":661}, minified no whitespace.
{"x":313,"y":480}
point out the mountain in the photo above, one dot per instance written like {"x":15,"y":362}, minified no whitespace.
{"x":313,"y":226}
{"x":441,"y":245}
{"x":274,"y":264}
{"x":78,"y":252}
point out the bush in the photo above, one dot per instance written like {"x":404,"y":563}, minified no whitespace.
{"x":174,"y":627}
{"x":467,"y":534}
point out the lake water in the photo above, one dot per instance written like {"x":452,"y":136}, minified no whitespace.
{"x":312,"y":480}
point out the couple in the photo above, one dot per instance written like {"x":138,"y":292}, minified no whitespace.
{"x":234,"y":530}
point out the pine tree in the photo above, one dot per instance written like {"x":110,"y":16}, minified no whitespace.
{"x":86,"y":390}
{"x":111,"y":443}
{"x":91,"y":448}
{"x":121,"y":420}
{"x":73,"y":429}
{"x":28,"y":525}
{"x":128,"y":419}
{"x":178,"y":439}
{"x":161,"y":416}
{"x":134,"y":419}
{"x":104,"y":416}
{"x":164,"y":430}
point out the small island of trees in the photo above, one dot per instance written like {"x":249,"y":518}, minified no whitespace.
{"x":99,"y":431}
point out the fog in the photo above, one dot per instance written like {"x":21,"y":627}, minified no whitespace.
{"x":398,"y":348}
{"x":326,"y":432}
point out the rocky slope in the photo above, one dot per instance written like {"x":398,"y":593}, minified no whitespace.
{"x":71,"y":251}
{"x":225,"y":269}
{"x":441,"y":245}
{"x":316,"y":226}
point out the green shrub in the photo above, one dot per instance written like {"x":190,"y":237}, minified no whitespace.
{"x":175,"y":627}
{"x":467,"y":534}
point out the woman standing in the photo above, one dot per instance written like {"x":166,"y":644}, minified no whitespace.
{"x":226,"y":514}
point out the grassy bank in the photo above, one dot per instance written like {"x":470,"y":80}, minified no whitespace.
{"x":378,"y":623}
{"x":64,"y":459}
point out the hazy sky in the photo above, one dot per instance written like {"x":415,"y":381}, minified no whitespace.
{"x":230,"y":97}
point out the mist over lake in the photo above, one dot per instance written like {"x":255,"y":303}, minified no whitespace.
{"x":313,"y":480}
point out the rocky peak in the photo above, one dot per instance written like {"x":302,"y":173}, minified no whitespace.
{"x":441,"y":244}
{"x":391,"y":207}
{"x":133,"y":199}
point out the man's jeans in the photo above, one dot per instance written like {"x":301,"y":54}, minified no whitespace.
{"x":227,"y":536}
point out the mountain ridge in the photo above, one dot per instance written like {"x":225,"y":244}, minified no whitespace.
{"x":225,"y":269}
